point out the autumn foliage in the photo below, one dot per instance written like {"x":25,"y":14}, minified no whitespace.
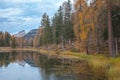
{"x":91,"y":21}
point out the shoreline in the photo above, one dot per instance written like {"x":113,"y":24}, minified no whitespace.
{"x":63,"y":55}
{"x":49,"y":53}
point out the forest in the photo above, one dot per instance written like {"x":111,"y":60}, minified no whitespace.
{"x":88,"y":27}
{"x":91,"y":27}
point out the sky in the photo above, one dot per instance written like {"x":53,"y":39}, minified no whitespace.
{"x":17,"y":15}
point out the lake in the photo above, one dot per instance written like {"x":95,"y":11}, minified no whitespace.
{"x":33,"y":66}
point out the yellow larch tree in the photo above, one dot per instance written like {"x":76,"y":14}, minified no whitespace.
{"x":86,"y":26}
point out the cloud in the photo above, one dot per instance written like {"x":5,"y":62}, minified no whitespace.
{"x":2,"y":20}
{"x":8,"y":12}
{"x":20,"y":23}
{"x":22,"y":1}
{"x":16,"y":15}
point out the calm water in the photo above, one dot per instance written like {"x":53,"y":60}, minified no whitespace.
{"x":33,"y":66}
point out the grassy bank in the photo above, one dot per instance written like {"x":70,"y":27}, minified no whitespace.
{"x":98,"y":61}
{"x":111,"y":65}
{"x":8,"y":49}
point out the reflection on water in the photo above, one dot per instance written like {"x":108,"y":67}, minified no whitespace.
{"x":33,"y":66}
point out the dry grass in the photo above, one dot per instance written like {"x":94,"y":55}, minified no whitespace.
{"x":5,"y":49}
{"x":111,"y":65}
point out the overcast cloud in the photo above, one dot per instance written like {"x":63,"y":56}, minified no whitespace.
{"x":17,"y":15}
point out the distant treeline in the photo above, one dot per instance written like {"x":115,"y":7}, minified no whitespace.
{"x":6,"y":40}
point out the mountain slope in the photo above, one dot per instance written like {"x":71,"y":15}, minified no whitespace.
{"x":20,"y":34}
{"x":31,"y":34}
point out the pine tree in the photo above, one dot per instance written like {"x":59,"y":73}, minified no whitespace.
{"x":47,"y":30}
{"x":67,"y":20}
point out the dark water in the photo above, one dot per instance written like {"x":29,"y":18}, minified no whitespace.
{"x":33,"y":66}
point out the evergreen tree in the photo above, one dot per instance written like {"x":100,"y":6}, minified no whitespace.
{"x":47,"y":35}
{"x":7,"y":37}
{"x":1,"y":39}
{"x":12,"y":42}
{"x":68,"y":24}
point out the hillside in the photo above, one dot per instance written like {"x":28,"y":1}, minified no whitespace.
{"x":31,"y":34}
{"x":20,"y":34}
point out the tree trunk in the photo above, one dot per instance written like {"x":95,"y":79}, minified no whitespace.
{"x":54,"y":35}
{"x":97,"y":40}
{"x":116,"y":46}
{"x":70,"y":42}
{"x":110,"y":32}
{"x":87,"y":47}
{"x":62,"y":42}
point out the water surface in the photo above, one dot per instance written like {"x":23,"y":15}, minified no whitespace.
{"x":33,"y":66}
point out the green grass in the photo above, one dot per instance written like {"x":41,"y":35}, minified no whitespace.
{"x":114,"y":70}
